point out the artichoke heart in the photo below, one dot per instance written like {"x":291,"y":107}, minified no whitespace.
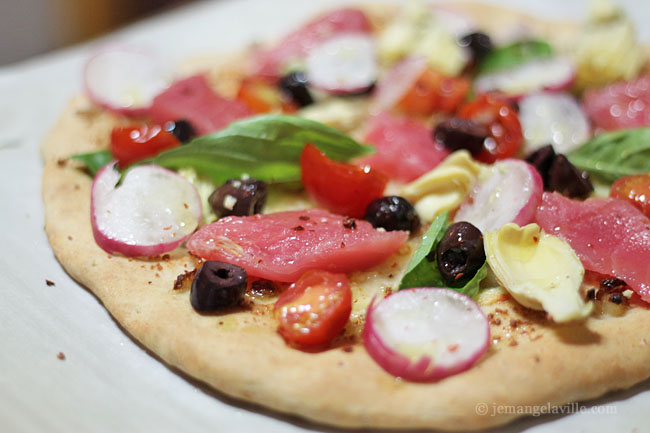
{"x":539,"y":270}
{"x":444,"y":187}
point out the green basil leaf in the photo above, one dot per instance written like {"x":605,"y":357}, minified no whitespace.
{"x":420,"y":272}
{"x":94,"y":161}
{"x":423,"y":273}
{"x":472,"y":287}
{"x":515,"y":54}
{"x":265,"y":147}
{"x":614,"y":154}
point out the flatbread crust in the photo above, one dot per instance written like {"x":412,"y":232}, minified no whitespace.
{"x":532,"y":362}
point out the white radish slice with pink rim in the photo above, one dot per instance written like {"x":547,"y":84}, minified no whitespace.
{"x":124,"y":79}
{"x":151,"y":212}
{"x":425,"y":334}
{"x":555,"y":118}
{"x":509,"y":192}
{"x":392,"y":87}
{"x":554,"y":74}
{"x":345,"y":63}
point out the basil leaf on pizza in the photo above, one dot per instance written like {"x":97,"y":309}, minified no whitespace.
{"x":423,"y":269}
{"x":264,"y":147}
{"x":615,"y":154}
{"x":514,"y":54}
{"x":94,"y":160}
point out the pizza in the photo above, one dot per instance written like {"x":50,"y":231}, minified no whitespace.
{"x":388,"y":218}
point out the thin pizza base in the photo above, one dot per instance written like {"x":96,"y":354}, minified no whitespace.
{"x":532,"y":361}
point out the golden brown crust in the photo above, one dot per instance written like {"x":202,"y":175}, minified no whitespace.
{"x":531,"y":361}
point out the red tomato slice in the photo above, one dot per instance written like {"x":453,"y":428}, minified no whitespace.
{"x":434,"y":92}
{"x":314,"y":309}
{"x":263,"y":97}
{"x":339,"y":187}
{"x":622,"y":105}
{"x":502,"y":122}
{"x":134,"y":143}
{"x":634,"y":189}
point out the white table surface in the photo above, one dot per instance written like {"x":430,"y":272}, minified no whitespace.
{"x":108,"y":383}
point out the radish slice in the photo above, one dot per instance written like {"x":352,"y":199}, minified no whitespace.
{"x":124,"y":80}
{"x":555,"y":74}
{"x":343,"y":64}
{"x":554,"y":118}
{"x":392,"y":87}
{"x":425,"y":334}
{"x":151,"y":212}
{"x":509,"y":193}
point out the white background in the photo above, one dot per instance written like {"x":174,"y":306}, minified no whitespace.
{"x":108,"y":383}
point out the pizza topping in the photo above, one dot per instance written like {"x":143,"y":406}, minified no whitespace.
{"x":405,"y":149}
{"x":445,"y":187}
{"x":343,"y":64}
{"x":152,"y":211}
{"x":217,"y":286}
{"x":265,"y":147}
{"x":238,"y":197}
{"x":339,"y":187}
{"x":607,"y":48}
{"x":294,"y":86}
{"x":314,"y":309}
{"x":566,"y":179}
{"x":260,"y":96}
{"x":424,"y":269}
{"x":267,"y":246}
{"x":635,"y":189}
{"x":418,"y":30}
{"x":425,"y":334}
{"x":124,"y":80}
{"x":273,"y":62}
{"x":181,"y":129}
{"x":625,"y":104}
{"x":478,"y":43}
{"x":555,"y":118}
{"x":392,"y":213}
{"x":131,"y":144}
{"x":610,"y":236}
{"x":457,"y":133}
{"x":540,"y":271}
{"x":555,"y":73}
{"x":614,"y":154}
{"x":193,"y":100}
{"x":515,"y":54}
{"x":559,"y":174}
{"x":460,"y":253}
{"x":508,"y":192}
{"x":502,"y":123}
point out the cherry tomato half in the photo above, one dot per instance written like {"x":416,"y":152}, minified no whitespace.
{"x":434,"y":92}
{"x":134,"y":143}
{"x":502,"y":122}
{"x":339,"y":187}
{"x":635,"y":189}
{"x":314,"y":309}
{"x":263,"y":97}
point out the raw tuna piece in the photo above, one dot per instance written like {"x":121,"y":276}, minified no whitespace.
{"x":610,"y":236}
{"x":282,"y":246}
{"x":405,"y":149}
{"x":622,"y":105}
{"x":270,"y":63}
{"x":193,"y":100}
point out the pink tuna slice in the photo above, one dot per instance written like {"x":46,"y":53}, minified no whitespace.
{"x":193,"y":100}
{"x":610,"y":236}
{"x":270,"y":63}
{"x":282,"y":246}
{"x":405,"y":149}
